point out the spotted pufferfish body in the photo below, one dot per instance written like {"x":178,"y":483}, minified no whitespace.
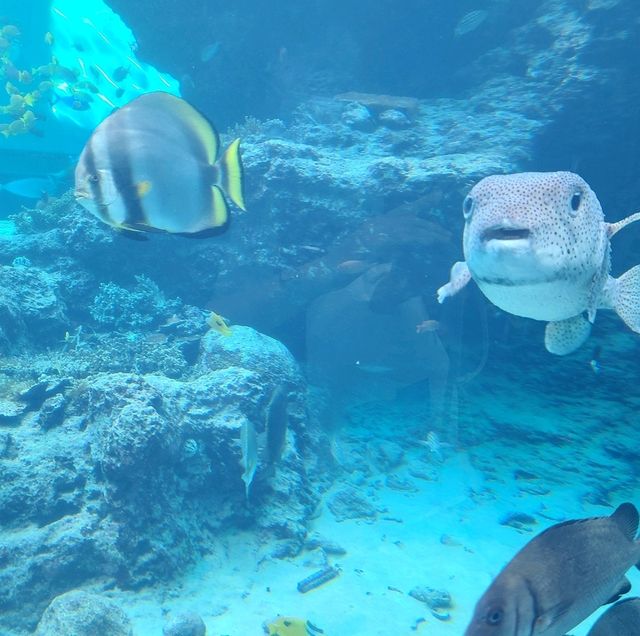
{"x":537,"y":245}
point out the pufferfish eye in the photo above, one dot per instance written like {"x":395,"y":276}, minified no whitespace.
{"x":576,"y":200}
{"x":495,"y":616}
{"x":467,"y":206}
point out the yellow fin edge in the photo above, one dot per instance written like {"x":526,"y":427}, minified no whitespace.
{"x":232,"y":174}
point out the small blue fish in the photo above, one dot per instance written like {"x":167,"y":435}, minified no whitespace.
{"x":470,"y":22}
{"x":209,"y":52}
{"x":32,"y":188}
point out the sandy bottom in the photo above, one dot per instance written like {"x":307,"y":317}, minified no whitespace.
{"x":236,"y":592}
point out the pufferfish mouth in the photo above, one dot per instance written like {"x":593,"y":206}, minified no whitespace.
{"x":501,"y":233}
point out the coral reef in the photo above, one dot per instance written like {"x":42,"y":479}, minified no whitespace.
{"x":126,"y":476}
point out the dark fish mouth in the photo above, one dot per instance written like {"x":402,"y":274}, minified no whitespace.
{"x":505,"y":234}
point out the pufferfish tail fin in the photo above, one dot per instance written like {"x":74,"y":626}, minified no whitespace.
{"x":229,"y":174}
{"x":624,"y":296}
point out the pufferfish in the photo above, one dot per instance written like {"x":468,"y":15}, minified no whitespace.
{"x":537,"y":245}
{"x":289,"y":626}
{"x":155,"y":165}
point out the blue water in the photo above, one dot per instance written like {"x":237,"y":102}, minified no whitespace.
{"x":191,"y":427}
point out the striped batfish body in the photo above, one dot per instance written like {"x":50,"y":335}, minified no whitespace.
{"x":155,"y":165}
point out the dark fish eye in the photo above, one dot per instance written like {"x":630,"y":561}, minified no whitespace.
{"x":467,"y":206}
{"x":576,"y":200}
{"x":495,"y":616}
{"x":93,"y":178}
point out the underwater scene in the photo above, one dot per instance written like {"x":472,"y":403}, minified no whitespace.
{"x":319,"y":318}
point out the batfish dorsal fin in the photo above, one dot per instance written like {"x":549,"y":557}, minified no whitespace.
{"x":626,"y":516}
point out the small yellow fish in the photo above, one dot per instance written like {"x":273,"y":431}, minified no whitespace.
{"x":289,"y":626}
{"x":218,"y":323}
{"x":16,"y":127}
{"x":28,"y":119}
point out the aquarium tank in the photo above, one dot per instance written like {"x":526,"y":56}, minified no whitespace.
{"x":319,"y":317}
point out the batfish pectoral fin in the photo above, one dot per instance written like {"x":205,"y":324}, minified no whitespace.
{"x":458,"y":278}
{"x":143,"y":188}
{"x":565,"y":336}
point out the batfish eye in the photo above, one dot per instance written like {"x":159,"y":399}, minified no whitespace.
{"x":495,"y":616}
{"x":576,"y":200}
{"x":467,"y":206}
{"x":93,"y":178}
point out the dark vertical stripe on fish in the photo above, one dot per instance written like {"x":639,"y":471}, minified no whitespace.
{"x":121,"y":169}
{"x":94,"y":182}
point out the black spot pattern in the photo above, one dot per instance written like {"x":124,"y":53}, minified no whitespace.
{"x":542,"y":203}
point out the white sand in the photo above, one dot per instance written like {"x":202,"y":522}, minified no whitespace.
{"x":235,"y":596}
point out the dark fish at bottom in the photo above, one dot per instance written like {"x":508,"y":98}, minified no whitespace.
{"x":623,"y":619}
{"x":560,"y":577}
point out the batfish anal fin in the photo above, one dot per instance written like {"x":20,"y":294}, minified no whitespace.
{"x":565,"y":336}
{"x":458,"y":278}
{"x":131,"y":233}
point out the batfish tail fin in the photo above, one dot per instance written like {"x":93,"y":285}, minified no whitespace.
{"x":230,"y":174}
{"x":626,"y":300}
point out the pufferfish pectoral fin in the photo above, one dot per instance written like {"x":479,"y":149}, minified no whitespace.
{"x":459,"y":277}
{"x":565,"y":336}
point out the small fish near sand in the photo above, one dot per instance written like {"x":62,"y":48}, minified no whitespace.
{"x":537,"y":246}
{"x":155,"y":165}
{"x":623,"y":619}
{"x":290,"y":626}
{"x":560,"y":577}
